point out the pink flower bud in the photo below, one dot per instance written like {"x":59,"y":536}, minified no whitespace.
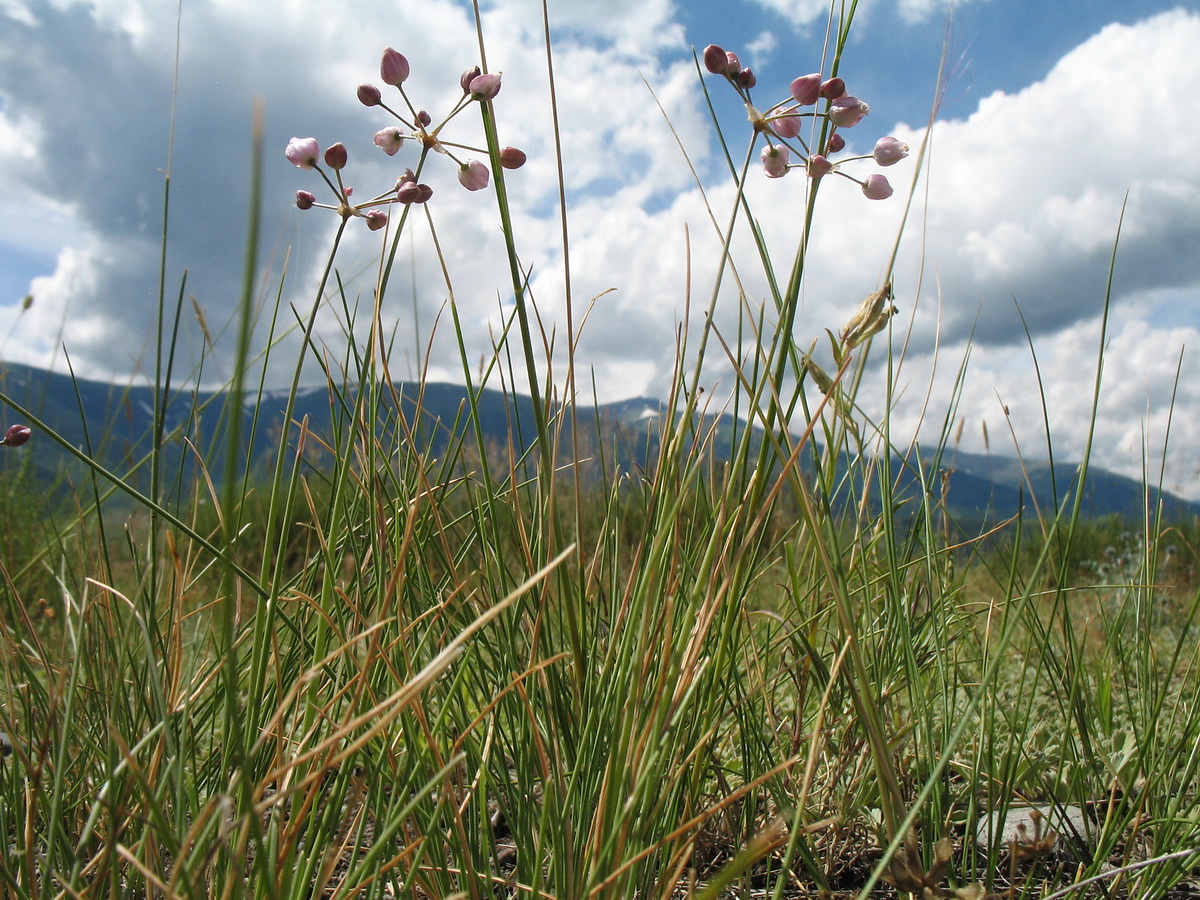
{"x":376,"y":219}
{"x":775,"y":160}
{"x":466,"y":78}
{"x":818,"y":166}
{"x":876,"y":187}
{"x":807,"y":89}
{"x":833,"y":88}
{"x":389,"y":140}
{"x":714,"y":59}
{"x":423,"y":118}
{"x":16,"y":435}
{"x":368,"y":95}
{"x":835,"y":143}
{"x":411,"y":192}
{"x":846,"y":112}
{"x":512,"y":158}
{"x":393,"y":68}
{"x":473,"y":175}
{"x":745,"y":79}
{"x":889,"y":151}
{"x":303,"y":152}
{"x":305,"y":200}
{"x":408,"y":175}
{"x":786,"y":127}
{"x":485,"y":87}
{"x":336,"y":156}
{"x":733,"y":65}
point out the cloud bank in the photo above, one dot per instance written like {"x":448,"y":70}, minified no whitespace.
{"x":1012,"y":226}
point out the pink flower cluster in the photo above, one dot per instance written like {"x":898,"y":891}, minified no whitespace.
{"x":417,"y":126}
{"x":783,"y":122}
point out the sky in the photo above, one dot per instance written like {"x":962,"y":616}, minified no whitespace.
{"x":1054,"y":125}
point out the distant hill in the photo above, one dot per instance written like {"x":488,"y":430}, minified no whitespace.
{"x":116,"y":421}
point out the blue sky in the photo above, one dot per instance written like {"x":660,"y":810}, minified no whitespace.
{"x":1052,"y":115}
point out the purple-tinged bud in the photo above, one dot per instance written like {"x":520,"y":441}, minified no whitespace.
{"x":423,"y":118}
{"x":835,"y":144}
{"x":411,"y":192}
{"x":376,"y":219}
{"x":464,"y":80}
{"x":775,"y":160}
{"x":473,"y":175}
{"x":485,"y":87}
{"x":876,"y":187}
{"x":889,"y":151}
{"x":393,"y":68}
{"x":745,"y":79}
{"x":303,"y":152}
{"x":733,"y":65}
{"x":846,"y":112}
{"x":806,"y":89}
{"x":368,"y":95}
{"x":786,"y":127}
{"x":389,"y":140}
{"x":512,"y":158}
{"x":833,"y":88}
{"x":16,"y":435}
{"x":336,"y":156}
{"x":406,"y":176}
{"x":818,"y":166}
{"x":714,"y":59}
{"x":305,"y":200}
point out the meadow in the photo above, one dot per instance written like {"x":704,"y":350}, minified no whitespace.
{"x":744,"y":664}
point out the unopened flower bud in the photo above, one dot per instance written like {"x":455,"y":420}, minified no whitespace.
{"x":714,"y":59}
{"x":464,"y":80}
{"x":336,"y":156}
{"x":368,"y":95}
{"x":733,"y":65}
{"x":16,"y":435}
{"x":833,"y":88}
{"x":408,"y":175}
{"x":512,"y":158}
{"x":473,"y":175}
{"x":835,"y":143}
{"x":775,"y":160}
{"x":393,"y":68}
{"x":389,"y":140}
{"x":786,"y":127}
{"x":303,"y":152}
{"x":423,"y":118}
{"x":376,"y":219}
{"x":485,"y":87}
{"x":411,"y":192}
{"x":818,"y":166}
{"x":745,"y":79}
{"x":806,"y":89}
{"x":889,"y":151}
{"x":876,"y":187}
{"x":846,"y":112}
{"x":305,"y":200}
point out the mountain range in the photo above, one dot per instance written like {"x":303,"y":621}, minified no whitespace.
{"x":113,"y":424}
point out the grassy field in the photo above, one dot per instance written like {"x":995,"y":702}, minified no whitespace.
{"x":380,"y":668}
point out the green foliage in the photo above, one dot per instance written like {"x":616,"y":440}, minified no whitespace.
{"x":391,"y":666}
